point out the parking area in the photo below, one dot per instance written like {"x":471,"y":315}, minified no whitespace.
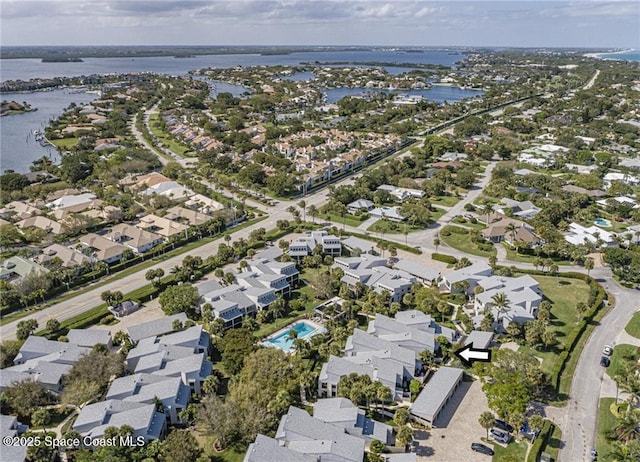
{"x":458,"y":427}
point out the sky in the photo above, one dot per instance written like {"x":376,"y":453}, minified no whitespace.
{"x":515,"y":23}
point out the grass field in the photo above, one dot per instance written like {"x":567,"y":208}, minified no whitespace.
{"x":622,"y":354}
{"x":393,"y":227}
{"x":633,"y":327}
{"x":606,"y":423}
{"x":65,"y":143}
{"x":463,"y":243}
{"x":447,"y":201}
{"x":564,"y":294}
{"x":516,"y":451}
{"x":348,"y":219}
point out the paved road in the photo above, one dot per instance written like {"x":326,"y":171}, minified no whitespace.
{"x":579,"y":426}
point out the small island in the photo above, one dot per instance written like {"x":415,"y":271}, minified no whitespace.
{"x":61,"y":59}
{"x":13,"y":107}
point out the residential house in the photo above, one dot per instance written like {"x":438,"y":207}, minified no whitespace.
{"x":343,"y":413}
{"x":162,"y":226}
{"x":523,"y":295}
{"x":18,"y":210}
{"x":499,"y":231}
{"x":360,"y":205}
{"x":524,"y":209}
{"x":421,"y":272}
{"x":625,"y":178}
{"x":304,"y":246}
{"x":390,"y":213}
{"x":582,"y":169}
{"x":472,"y":274}
{"x":15,"y":268}
{"x":144,"y":388}
{"x":170,"y":189}
{"x":76,"y":202}
{"x":136,"y":239}
{"x":371,"y":272}
{"x":102,"y":249}
{"x":69,"y":258}
{"x":143,"y":418}
{"x":435,"y":395}
{"x":155,"y":328}
{"x":302,"y":433}
{"x":46,"y":224}
{"x":90,"y":337}
{"x":266,"y":449}
{"x":424,"y":322}
{"x":187,"y":216}
{"x":579,"y":235}
{"x":479,"y":339}
{"x":571,"y":189}
{"x":10,"y":428}
{"x":402,"y":193}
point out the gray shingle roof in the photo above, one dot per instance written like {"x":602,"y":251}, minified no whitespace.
{"x":155,"y":327}
{"x":89,"y":337}
{"x":479,"y":339}
{"x":266,"y":449}
{"x":435,"y":393}
{"x":417,"y":270}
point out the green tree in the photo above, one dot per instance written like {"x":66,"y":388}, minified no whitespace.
{"x":501,"y":302}
{"x":25,"y":328}
{"x":90,"y":375}
{"x":404,"y":436}
{"x":53,"y":325}
{"x":235,"y":346}
{"x":401,"y":416}
{"x":180,"y":446}
{"x":40,"y":418}
{"x":180,"y":299}
{"x":26,"y":396}
{"x":536,"y":422}
{"x":588,"y":265}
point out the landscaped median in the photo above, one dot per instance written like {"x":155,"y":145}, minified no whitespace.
{"x":467,"y":241}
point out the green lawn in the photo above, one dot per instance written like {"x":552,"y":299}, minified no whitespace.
{"x":633,"y":327}
{"x":393,"y":227}
{"x":513,"y":255}
{"x":517,"y":451}
{"x":447,"y":201}
{"x":564,"y":294}
{"x":348,"y":219}
{"x":622,"y":355}
{"x":206,"y":443}
{"x":166,"y":139}
{"x":436,"y":213}
{"x":463,"y":242}
{"x":606,"y":422}
{"x":553,"y":446}
{"x":65,"y":143}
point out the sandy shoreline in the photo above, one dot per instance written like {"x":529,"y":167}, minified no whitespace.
{"x":599,"y":55}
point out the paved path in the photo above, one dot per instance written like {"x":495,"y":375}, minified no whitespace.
{"x":579,"y":426}
{"x":368,"y":222}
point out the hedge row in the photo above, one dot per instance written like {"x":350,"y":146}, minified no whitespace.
{"x":541,"y":442}
{"x":576,"y":334}
{"x":451,"y":260}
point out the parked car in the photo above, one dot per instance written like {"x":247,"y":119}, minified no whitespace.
{"x":502,"y":425}
{"x":481,"y":448}
{"x":608,"y":350}
{"x":499,"y":436}
{"x":604,"y":361}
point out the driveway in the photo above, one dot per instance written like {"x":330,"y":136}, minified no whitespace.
{"x":458,"y":427}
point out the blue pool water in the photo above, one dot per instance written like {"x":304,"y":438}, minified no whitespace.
{"x":305,"y":330}
{"x":602,"y":222}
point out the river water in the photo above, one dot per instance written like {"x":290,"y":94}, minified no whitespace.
{"x":18,"y":150}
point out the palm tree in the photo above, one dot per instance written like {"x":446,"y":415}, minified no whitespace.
{"x":436,"y":243}
{"x":511,"y":228}
{"x":625,"y":452}
{"x":303,"y":205}
{"x":588,"y":264}
{"x":211,"y":385}
{"x":627,"y":428}
{"x":404,"y":436}
{"x":486,"y":421}
{"x":278,"y":307}
{"x":501,"y":302}
{"x":313,"y":211}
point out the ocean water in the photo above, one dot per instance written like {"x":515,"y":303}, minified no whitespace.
{"x":632,"y":55}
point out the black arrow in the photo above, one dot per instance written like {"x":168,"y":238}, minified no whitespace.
{"x":468,"y":355}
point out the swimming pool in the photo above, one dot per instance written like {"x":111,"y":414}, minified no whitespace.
{"x":602,"y":222}
{"x":304,"y":329}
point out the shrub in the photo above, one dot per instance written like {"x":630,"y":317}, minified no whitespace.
{"x":540,"y":442}
{"x":444,"y":258}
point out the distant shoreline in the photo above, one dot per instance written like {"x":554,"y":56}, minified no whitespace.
{"x":600,"y":55}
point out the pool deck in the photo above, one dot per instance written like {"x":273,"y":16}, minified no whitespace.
{"x":318,"y":328}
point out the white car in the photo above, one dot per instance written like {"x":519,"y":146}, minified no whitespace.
{"x":607,"y":350}
{"x":499,"y":436}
